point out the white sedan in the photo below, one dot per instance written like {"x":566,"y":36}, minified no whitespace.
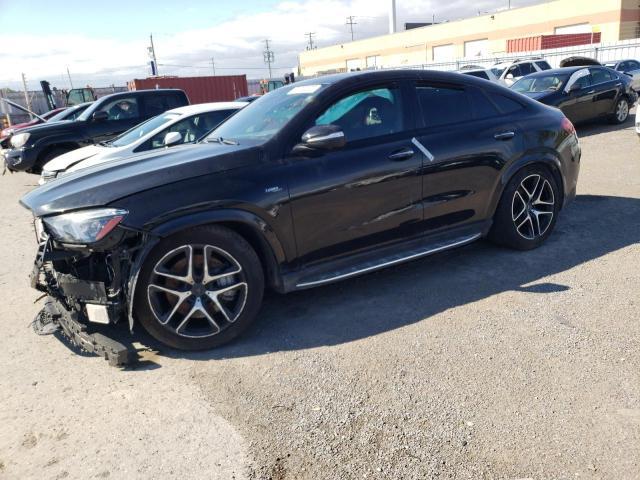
{"x":173,"y":127}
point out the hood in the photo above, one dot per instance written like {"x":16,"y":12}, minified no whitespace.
{"x":69,"y":159}
{"x":105,"y":183}
{"x":50,"y":128}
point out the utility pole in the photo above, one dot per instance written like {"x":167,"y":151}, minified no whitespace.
{"x":26,"y":94}
{"x":69,"y":75}
{"x":153,"y":54}
{"x":351,"y":23}
{"x":310,"y":35}
{"x":213,"y":65}
{"x":268,"y":55}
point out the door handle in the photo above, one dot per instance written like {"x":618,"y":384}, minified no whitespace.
{"x":401,"y":154}
{"x":590,"y":92}
{"x":504,"y":135}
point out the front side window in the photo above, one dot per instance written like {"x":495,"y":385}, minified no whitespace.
{"x":124,"y":108}
{"x":192,"y":128}
{"x":536,"y":84}
{"x":143,"y":129}
{"x":366,"y":114}
{"x":526,"y":69}
{"x":260,"y":120}
{"x":543,"y":65}
{"x":443,"y":105}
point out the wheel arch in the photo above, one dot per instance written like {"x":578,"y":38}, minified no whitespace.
{"x":246,"y":224}
{"x":547,"y":160}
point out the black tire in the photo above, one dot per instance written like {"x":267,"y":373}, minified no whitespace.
{"x":510,"y":225}
{"x":221,"y":247}
{"x":621,"y":111}
{"x":48,"y":156}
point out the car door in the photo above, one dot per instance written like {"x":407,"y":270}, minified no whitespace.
{"x":469,"y":136}
{"x":605,"y":88}
{"x":122,"y":113}
{"x":578,"y":104}
{"x":367,"y":192}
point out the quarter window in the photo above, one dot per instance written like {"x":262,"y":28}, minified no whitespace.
{"x":366,"y":114}
{"x":505,"y":104}
{"x":443,"y":105}
{"x":482,"y":107}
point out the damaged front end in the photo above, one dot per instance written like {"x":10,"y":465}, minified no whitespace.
{"x":87,"y":284}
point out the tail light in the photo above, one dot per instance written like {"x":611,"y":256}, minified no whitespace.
{"x":567,"y":126}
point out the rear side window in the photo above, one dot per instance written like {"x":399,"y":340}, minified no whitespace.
{"x":633,"y":65}
{"x":526,"y":69}
{"x":542,"y":65}
{"x":505,"y":104}
{"x":175,"y":100}
{"x":479,"y":74}
{"x":443,"y":105}
{"x":482,"y":106}
{"x":600,"y":75}
{"x":160,"y":103}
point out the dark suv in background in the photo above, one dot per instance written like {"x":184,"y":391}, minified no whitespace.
{"x":104,"y":119}
{"x":310,"y":184}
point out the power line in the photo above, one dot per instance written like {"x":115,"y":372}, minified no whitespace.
{"x":269,"y":57}
{"x":351,"y":23}
{"x":310,"y":35}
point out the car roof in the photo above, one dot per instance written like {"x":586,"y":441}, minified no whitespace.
{"x":128,"y":93}
{"x":562,"y":70}
{"x":207,"y":107}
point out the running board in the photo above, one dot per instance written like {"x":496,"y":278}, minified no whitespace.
{"x":404,"y":256}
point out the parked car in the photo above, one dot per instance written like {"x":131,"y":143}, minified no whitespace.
{"x":6,"y":133}
{"x":579,"y":61}
{"x":484,"y":73}
{"x":174,"y":127}
{"x":248,"y":98}
{"x":104,"y":119}
{"x":315,"y":182}
{"x":509,"y":72}
{"x":628,"y":67}
{"x":582,"y":93}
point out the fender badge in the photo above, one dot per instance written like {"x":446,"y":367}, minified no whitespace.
{"x":273,"y":189}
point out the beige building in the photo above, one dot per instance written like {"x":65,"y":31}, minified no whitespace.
{"x":480,"y":36}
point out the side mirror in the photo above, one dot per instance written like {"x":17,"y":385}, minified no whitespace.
{"x":509,"y":76}
{"x":321,"y":138}
{"x":99,"y":116}
{"x":172,"y":138}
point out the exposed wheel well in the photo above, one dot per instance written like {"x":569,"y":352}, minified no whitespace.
{"x":67,"y":146}
{"x":261,"y":247}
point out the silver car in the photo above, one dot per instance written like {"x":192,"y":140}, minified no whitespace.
{"x":628,"y":67}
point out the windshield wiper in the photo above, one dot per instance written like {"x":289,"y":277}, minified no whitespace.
{"x":226,"y":141}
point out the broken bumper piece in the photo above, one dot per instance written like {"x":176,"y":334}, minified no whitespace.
{"x":54,"y":316}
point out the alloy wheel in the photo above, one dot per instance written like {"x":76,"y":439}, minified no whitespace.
{"x":197,"y":291}
{"x":622,"y":111}
{"x":532,"y":207}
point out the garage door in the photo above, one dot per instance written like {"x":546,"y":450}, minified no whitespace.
{"x":476,"y":48}
{"x":442,"y":53}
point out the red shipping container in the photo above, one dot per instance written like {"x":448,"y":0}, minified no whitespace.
{"x":198,"y":89}
{"x":545,"y":42}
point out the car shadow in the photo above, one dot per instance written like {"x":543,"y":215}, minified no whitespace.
{"x":591,"y":227}
{"x":596,"y":127}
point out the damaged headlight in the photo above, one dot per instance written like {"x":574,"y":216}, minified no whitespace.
{"x":20,"y":139}
{"x":85,"y":226}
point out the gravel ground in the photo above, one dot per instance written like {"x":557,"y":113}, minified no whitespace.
{"x":480,"y":363}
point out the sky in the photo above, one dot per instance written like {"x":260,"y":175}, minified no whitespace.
{"x":106,"y":43}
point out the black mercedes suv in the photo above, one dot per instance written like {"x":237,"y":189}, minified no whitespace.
{"x":313,"y":183}
{"x":104,"y":119}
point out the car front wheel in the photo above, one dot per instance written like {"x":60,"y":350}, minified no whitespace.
{"x":200,"y":288}
{"x":528,"y":209}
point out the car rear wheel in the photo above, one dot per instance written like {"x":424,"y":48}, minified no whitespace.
{"x":528,"y":209}
{"x":621,"y":112}
{"x":200,"y":288}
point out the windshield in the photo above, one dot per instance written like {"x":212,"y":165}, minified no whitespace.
{"x":70,"y":113}
{"x":543,"y":83}
{"x":260,"y":120}
{"x":139,"y":131}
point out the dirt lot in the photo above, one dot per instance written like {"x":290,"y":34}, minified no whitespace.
{"x":478,"y":363}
